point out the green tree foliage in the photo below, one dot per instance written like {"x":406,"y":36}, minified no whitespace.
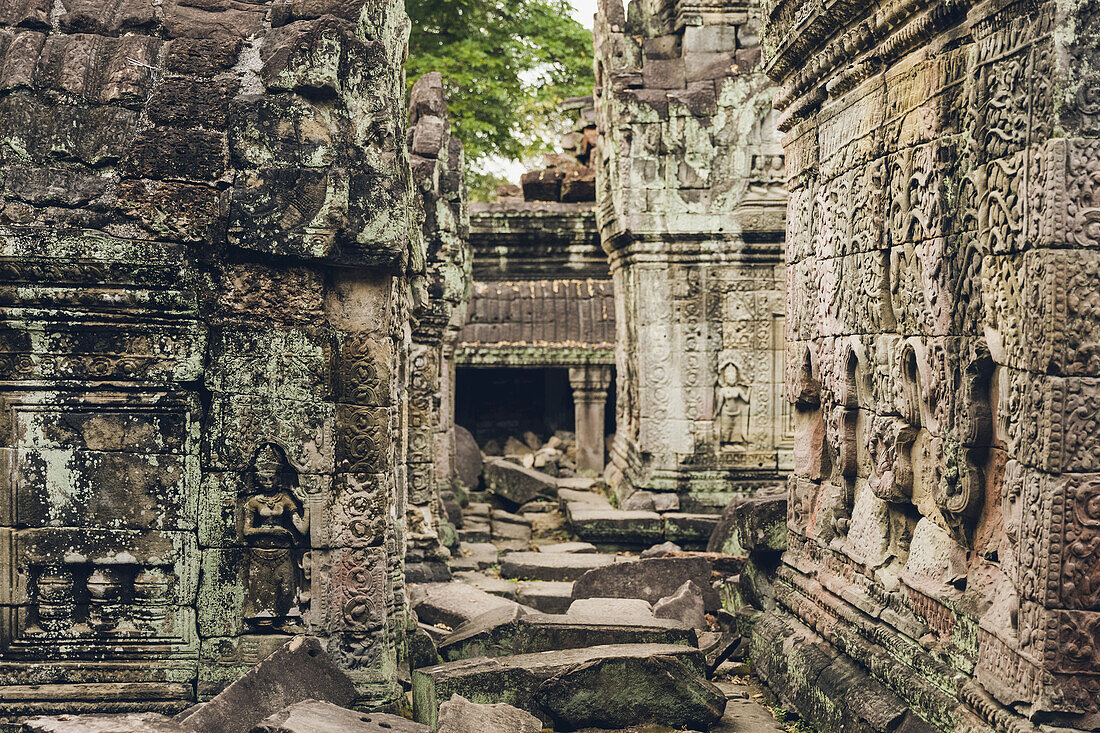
{"x":507,"y":65}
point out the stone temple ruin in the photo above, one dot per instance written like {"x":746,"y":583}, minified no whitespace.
{"x":816,"y":281}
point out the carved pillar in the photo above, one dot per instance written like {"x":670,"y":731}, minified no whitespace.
{"x":691,"y":215}
{"x":590,"y":385}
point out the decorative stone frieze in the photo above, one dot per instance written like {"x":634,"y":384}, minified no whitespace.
{"x":941,"y":357}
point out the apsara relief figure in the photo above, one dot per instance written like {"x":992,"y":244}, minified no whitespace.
{"x":731,"y":405}
{"x":275,"y":523}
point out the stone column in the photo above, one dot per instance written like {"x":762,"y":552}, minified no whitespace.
{"x":589,"y":398}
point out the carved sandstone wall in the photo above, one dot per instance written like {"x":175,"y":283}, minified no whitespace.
{"x":942,"y":355}
{"x":439,"y":313}
{"x":690,"y":204}
{"x":206,"y":248}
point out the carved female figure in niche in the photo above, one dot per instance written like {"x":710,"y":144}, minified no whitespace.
{"x":274,"y":523}
{"x":731,"y":405}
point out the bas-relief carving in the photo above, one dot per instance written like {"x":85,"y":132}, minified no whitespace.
{"x":203,"y":406}
{"x":684,"y":174}
{"x":964,"y":463}
{"x":731,"y":406}
{"x":274,"y":524}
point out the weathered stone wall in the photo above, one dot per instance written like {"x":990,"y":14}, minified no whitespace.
{"x":942,"y":341}
{"x":206,"y":244}
{"x":690,"y":206}
{"x":438,"y":171}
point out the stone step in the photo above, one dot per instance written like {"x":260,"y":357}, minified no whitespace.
{"x":452,"y":604}
{"x":516,"y":484}
{"x":517,"y":680}
{"x":575,"y":548}
{"x":490,"y":584}
{"x":590,"y":498}
{"x":474,"y":535}
{"x":550,"y":565}
{"x":509,"y":632}
{"x":548,"y":596}
{"x":604,"y":525}
{"x":483,"y":554}
{"x":607,"y":525}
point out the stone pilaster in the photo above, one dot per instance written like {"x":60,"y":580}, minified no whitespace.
{"x":589,"y":385}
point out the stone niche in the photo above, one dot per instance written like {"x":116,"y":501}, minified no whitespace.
{"x":690,"y":203}
{"x":206,"y":251}
{"x":943,"y":321}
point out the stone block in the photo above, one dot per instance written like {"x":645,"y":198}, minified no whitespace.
{"x":508,"y":632}
{"x":515,"y":483}
{"x":604,"y":693}
{"x":124,"y":723}
{"x":573,"y":548}
{"x":688,"y":528}
{"x":613,"y":525}
{"x":547,"y":596}
{"x":300,"y":670}
{"x":604,"y":608}
{"x":468,"y":461}
{"x":452,"y":604}
{"x":755,"y":523}
{"x":639,"y":501}
{"x":685,"y":606}
{"x":651,"y":579}
{"x":515,"y":680}
{"x":550,"y":566}
{"x":664,"y":74}
{"x":542,"y":185}
{"x":459,"y":715}
{"x":312,"y":716}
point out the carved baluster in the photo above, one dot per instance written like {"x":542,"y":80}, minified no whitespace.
{"x":150,"y":599}
{"x":54,"y":596}
{"x":104,"y":594}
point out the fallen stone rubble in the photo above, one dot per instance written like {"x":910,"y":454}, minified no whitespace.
{"x":533,"y":630}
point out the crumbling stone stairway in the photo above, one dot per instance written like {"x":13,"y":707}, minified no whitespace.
{"x":593,"y":635}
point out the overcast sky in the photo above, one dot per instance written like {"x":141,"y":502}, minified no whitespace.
{"x":585,"y":9}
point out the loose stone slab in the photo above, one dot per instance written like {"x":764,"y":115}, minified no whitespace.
{"x":505,"y":633}
{"x":459,"y":715}
{"x":549,"y":565}
{"x":514,"y":680}
{"x":548,"y":596}
{"x":684,"y":527}
{"x":753,"y":523}
{"x":619,"y":608}
{"x":575,"y":548}
{"x":127,"y":723}
{"x":483,"y":554}
{"x":490,"y":584}
{"x":614,"y":525}
{"x":313,"y":716}
{"x":650,"y":579}
{"x":452,"y":604}
{"x":516,"y":483}
{"x":622,"y":692}
{"x":571,"y":496}
{"x":300,"y":670}
{"x":685,"y":605}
